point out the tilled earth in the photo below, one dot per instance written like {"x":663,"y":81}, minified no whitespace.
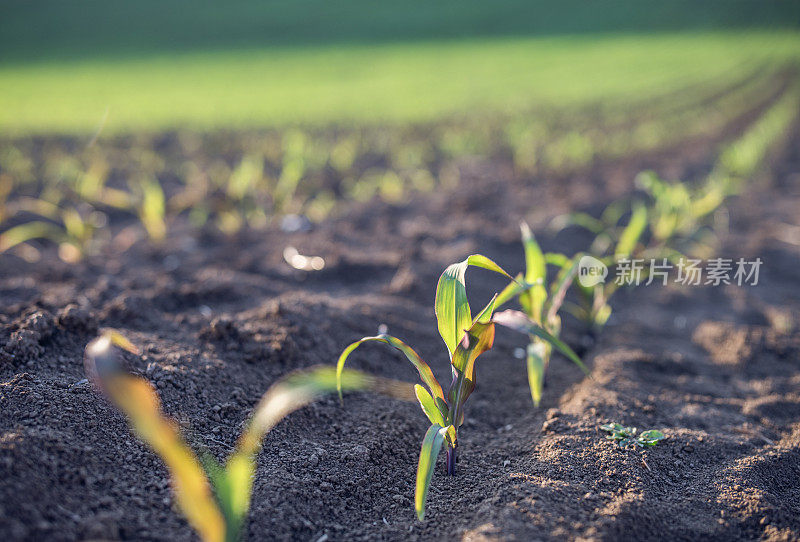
{"x":220,"y":319}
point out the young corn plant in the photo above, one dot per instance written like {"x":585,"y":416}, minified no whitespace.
{"x":540,"y":304}
{"x":214,"y":497}
{"x":152,"y":209}
{"x":73,"y":228}
{"x":614,"y":240}
{"x":466,"y":338}
{"x":680,"y":215}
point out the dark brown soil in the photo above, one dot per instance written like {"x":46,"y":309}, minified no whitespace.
{"x":219,"y":320}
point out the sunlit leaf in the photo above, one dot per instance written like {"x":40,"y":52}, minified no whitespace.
{"x":453,"y":315}
{"x":632,"y":232}
{"x":559,"y":288}
{"x":512,"y":290}
{"x":535,"y":265}
{"x":582,"y":220}
{"x":428,"y":405}
{"x":535,"y":366}
{"x":425,"y":372}
{"x":152,"y":210}
{"x":520,"y":322}
{"x":138,"y":400}
{"x":478,"y":339}
{"x":27,"y":232}
{"x":431,"y":446}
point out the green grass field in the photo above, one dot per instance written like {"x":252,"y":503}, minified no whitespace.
{"x":69,"y":68}
{"x":358,"y":83}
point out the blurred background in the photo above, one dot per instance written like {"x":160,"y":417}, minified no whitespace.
{"x":233,"y":115}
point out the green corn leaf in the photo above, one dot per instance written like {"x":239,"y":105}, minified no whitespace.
{"x":453,"y":315}
{"x":451,"y":306}
{"x":152,"y":209}
{"x":557,"y":259}
{"x":559,"y":288}
{"x":582,"y":220}
{"x":602,"y":315}
{"x":478,"y":339}
{"x":535,"y":264}
{"x":425,"y":372}
{"x":302,"y":387}
{"x":535,"y":363}
{"x":27,"y":232}
{"x":217,"y":519}
{"x":519,"y":322}
{"x":284,"y":397}
{"x":232,"y":486}
{"x":613,"y":212}
{"x":485,"y":316}
{"x":515,"y":288}
{"x":138,"y":400}
{"x":632,"y":232}
{"x":428,"y":405}
{"x":74,"y":224}
{"x":431,"y":446}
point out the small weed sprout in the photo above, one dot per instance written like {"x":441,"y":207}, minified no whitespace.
{"x":214,"y":497}
{"x":540,"y":305}
{"x":626,"y":437}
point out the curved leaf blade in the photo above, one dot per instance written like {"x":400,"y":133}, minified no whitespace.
{"x":138,"y":400}
{"x":428,"y":405}
{"x":28,"y":232}
{"x":632,"y":232}
{"x":452,"y":310}
{"x":425,"y":372}
{"x":431,"y":446}
{"x":535,"y":366}
{"x":535,"y":264}
{"x":453,"y":315}
{"x":288,"y":394}
{"x":559,"y":288}
{"x":478,"y":339}
{"x":519,"y":322}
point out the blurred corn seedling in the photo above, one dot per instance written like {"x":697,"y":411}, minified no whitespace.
{"x":214,"y":497}
{"x":74,"y":229}
{"x":614,"y":240}
{"x":541,"y":304}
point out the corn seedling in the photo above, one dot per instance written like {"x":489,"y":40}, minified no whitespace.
{"x":742,"y":158}
{"x":614,"y":240}
{"x":466,"y":337}
{"x":73,"y":229}
{"x":678,"y":214}
{"x":540,"y":304}
{"x":214,"y":497}
{"x":152,"y":209}
{"x":629,"y":436}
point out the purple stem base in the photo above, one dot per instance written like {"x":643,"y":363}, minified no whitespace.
{"x":451,"y":461}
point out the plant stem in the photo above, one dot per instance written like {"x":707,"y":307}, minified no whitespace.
{"x":451,"y":461}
